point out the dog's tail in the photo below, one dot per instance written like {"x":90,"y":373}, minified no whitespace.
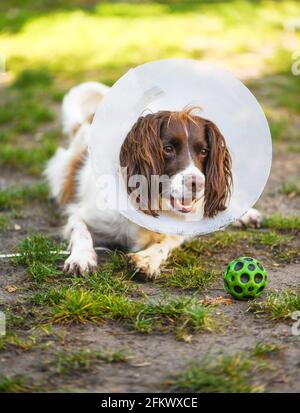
{"x":80,"y":104}
{"x":78,"y":108}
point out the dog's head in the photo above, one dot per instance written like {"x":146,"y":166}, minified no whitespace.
{"x":187,"y":149}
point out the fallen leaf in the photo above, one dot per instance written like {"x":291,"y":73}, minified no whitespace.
{"x":11,"y":288}
{"x":217,"y":300}
{"x":146,"y":364}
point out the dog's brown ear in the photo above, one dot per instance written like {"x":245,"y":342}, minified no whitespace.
{"x":218,"y":176}
{"x":142,"y":153}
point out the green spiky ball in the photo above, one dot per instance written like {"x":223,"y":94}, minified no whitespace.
{"x":245,"y":277}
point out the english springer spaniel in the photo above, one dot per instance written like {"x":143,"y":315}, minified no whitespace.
{"x":188,"y":149}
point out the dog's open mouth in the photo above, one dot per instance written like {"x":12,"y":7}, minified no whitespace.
{"x":182,"y":205}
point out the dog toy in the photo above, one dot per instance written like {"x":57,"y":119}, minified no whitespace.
{"x":245,"y":277}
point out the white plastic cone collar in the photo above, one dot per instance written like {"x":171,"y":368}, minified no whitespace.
{"x":173,"y":84}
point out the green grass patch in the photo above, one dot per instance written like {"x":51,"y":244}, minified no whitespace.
{"x":4,"y":222}
{"x":186,"y":27}
{"x":282,"y":223}
{"x":31,"y":160}
{"x":13,"y":385}
{"x":280,"y":245}
{"x":181,"y":314}
{"x":263,"y":349}
{"x":185,"y":314}
{"x":278,"y":128}
{"x":29,"y":78}
{"x":291,"y":189}
{"x":25,"y":112}
{"x":6,"y":135}
{"x":219,"y":374}
{"x":196,"y":264}
{"x":105,"y":281}
{"x":293,"y":148}
{"x":40,"y":255}
{"x":189,"y":277}
{"x":48,"y":295}
{"x":84,"y":360}
{"x":17,"y":197}
{"x":20,"y":343}
{"x":270,"y":239}
{"x":278,"y":305}
{"x":290,"y":90}
{"x":207,"y":248}
{"x":79,"y":305}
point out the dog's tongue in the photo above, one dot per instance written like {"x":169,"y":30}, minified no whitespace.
{"x":184,"y":207}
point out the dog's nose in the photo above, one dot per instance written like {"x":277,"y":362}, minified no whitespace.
{"x":194,"y":182}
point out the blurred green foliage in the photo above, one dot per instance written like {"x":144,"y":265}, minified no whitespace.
{"x":49,"y":46}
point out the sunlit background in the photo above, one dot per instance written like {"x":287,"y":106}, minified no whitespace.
{"x":48,"y":46}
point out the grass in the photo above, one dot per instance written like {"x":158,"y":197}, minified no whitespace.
{"x":278,"y":128}
{"x":31,"y":159}
{"x":189,"y":277}
{"x":109,"y":294}
{"x":17,"y":197}
{"x":13,"y":385}
{"x":270,"y":239}
{"x":279,"y":245}
{"x":60,"y":56}
{"x":181,"y":314}
{"x":33,"y":78}
{"x":186,"y":270}
{"x":293,"y":148}
{"x":185,"y":260}
{"x":218,"y":374}
{"x":14,"y":340}
{"x":4,"y":222}
{"x":84,"y":360}
{"x":48,"y":295}
{"x":83,"y":305}
{"x":185,"y":314}
{"x":186,"y":27}
{"x":291,"y":189}
{"x":278,"y":305}
{"x":263,"y":349}
{"x":26,"y":114}
{"x":282,"y":223}
{"x":103,"y":281}
{"x":40,"y":255}
{"x":290,"y":89}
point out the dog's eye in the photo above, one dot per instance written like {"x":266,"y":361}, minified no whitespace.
{"x":169,"y":150}
{"x":204,"y":152}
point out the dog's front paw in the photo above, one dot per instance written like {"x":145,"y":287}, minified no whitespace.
{"x":252,"y":218}
{"x":81,"y":262}
{"x":144,"y":264}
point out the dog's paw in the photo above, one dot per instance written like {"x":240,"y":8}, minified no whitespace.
{"x":252,"y":218}
{"x":144,"y":264}
{"x":81,"y":262}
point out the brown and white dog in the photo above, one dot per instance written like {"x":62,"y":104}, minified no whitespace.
{"x":190,"y":150}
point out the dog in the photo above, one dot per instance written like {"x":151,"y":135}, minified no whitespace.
{"x":188,"y":149}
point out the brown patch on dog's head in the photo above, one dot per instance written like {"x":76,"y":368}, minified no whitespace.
{"x":218,"y":175}
{"x":142,"y":151}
